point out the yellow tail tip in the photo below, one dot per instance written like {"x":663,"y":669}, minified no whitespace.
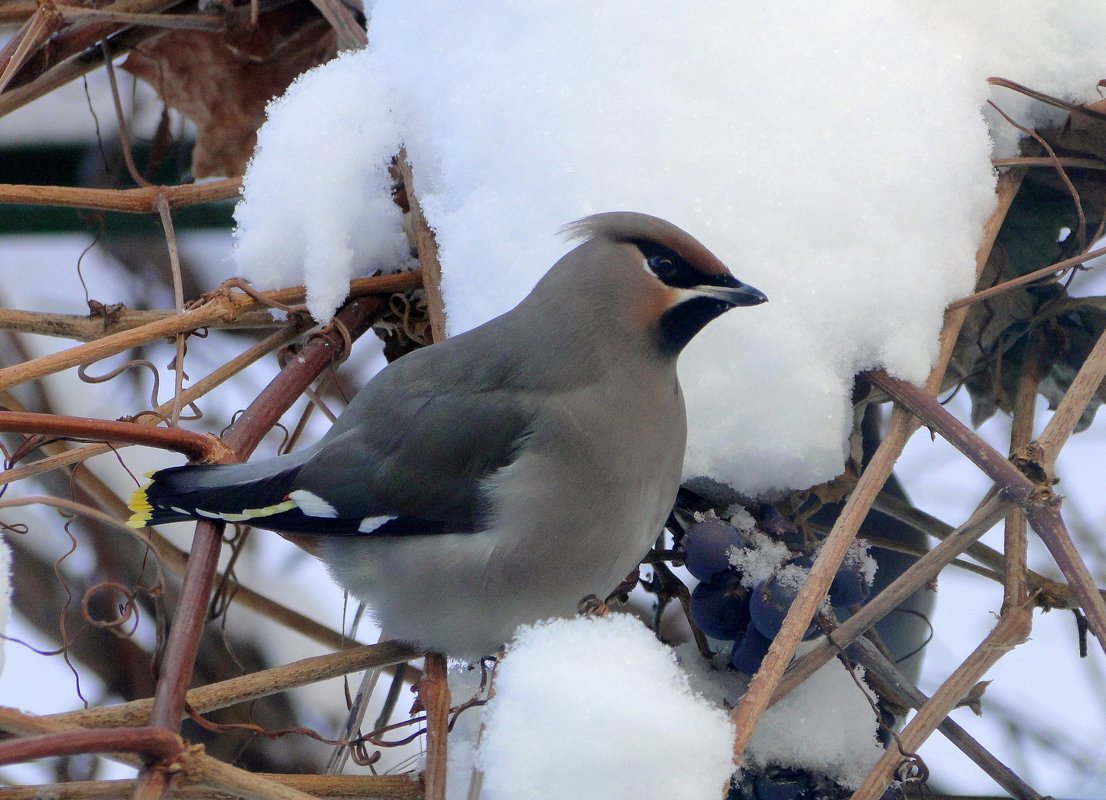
{"x":140,"y":506}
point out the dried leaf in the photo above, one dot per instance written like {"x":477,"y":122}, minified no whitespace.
{"x":990,"y":353}
{"x":222,"y":81}
{"x":974,"y":698}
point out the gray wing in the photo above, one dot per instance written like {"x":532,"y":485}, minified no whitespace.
{"x":411,"y":454}
{"x":407,"y":448}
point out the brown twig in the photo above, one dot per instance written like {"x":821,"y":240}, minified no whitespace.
{"x":142,"y":200}
{"x":197,"y":446}
{"x":188,"y":22}
{"x":221,"y":306}
{"x":351,"y":35}
{"x":427,"y":247}
{"x":434,"y":695}
{"x":90,"y":327}
{"x":1040,"y":503}
{"x":38,"y":28}
{"x":1015,"y":537}
{"x":1030,"y":277}
{"x":1042,"y":161}
{"x":903,"y":693}
{"x":86,"y":327}
{"x":1012,"y":629}
{"x":1047,"y":99}
{"x":1083,"y":387}
{"x":1046,"y":592}
{"x":249,"y":687}
{"x":151,"y":742}
{"x":353,"y":787}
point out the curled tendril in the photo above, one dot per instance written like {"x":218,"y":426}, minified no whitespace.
{"x":83,"y":374}
{"x":127,"y":611}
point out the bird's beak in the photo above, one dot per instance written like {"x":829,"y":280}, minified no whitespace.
{"x":731,"y":291}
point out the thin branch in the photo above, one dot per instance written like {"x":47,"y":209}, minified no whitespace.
{"x":90,"y":327}
{"x":1047,"y":99}
{"x":434,"y":694}
{"x":197,"y":446}
{"x":903,"y":693}
{"x":246,"y":433}
{"x":351,"y":35}
{"x":917,"y":575}
{"x":189,"y":22}
{"x":1030,"y":277}
{"x":150,"y":742}
{"x":249,"y":687}
{"x":1015,"y":571}
{"x":222,"y":305}
{"x":1040,"y":503}
{"x":1012,"y":629}
{"x":142,"y":200}
{"x":427,"y":247}
{"x":1075,"y":401}
{"x":38,"y":28}
{"x":87,"y":327}
{"x":1043,"y":161}
{"x":354,"y":787}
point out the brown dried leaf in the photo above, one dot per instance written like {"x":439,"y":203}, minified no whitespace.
{"x":974,"y":698}
{"x":222,"y":81}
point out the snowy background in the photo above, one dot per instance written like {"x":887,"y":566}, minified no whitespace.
{"x":834,"y":155}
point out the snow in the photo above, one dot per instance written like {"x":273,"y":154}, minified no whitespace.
{"x":791,"y":576}
{"x":840,"y":165}
{"x":759,"y":561}
{"x":826,"y":725}
{"x":598,"y":708}
{"x":858,"y":556}
{"x":316,"y":199}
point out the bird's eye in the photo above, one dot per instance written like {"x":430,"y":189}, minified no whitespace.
{"x":663,"y":266}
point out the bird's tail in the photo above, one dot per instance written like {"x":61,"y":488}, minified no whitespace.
{"x":227,"y":492}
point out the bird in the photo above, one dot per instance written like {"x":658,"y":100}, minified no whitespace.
{"x":500,"y":476}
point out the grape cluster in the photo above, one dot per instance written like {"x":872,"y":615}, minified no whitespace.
{"x":748,"y":583}
{"x":787,"y":783}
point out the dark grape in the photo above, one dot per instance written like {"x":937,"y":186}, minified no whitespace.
{"x":707,"y":548}
{"x":780,"y":528}
{"x":795,"y":788}
{"x":720,"y":610}
{"x":749,"y":651}
{"x":849,"y":587}
{"x":770,"y":601}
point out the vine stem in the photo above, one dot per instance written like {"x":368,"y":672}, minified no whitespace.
{"x":246,"y":433}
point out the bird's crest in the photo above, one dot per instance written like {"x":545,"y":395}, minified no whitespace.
{"x":631,"y":226}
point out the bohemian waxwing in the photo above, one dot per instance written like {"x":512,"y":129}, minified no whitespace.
{"x":501,"y":476}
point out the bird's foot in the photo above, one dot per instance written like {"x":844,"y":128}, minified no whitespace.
{"x":592,"y":606}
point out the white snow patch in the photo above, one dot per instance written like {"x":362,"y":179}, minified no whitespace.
{"x":316,"y":199}
{"x":599,"y":709}
{"x":741,"y":519}
{"x":791,"y":576}
{"x":842,"y":166}
{"x":757,"y":562}
{"x":825,"y":725}
{"x":857,"y":555}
